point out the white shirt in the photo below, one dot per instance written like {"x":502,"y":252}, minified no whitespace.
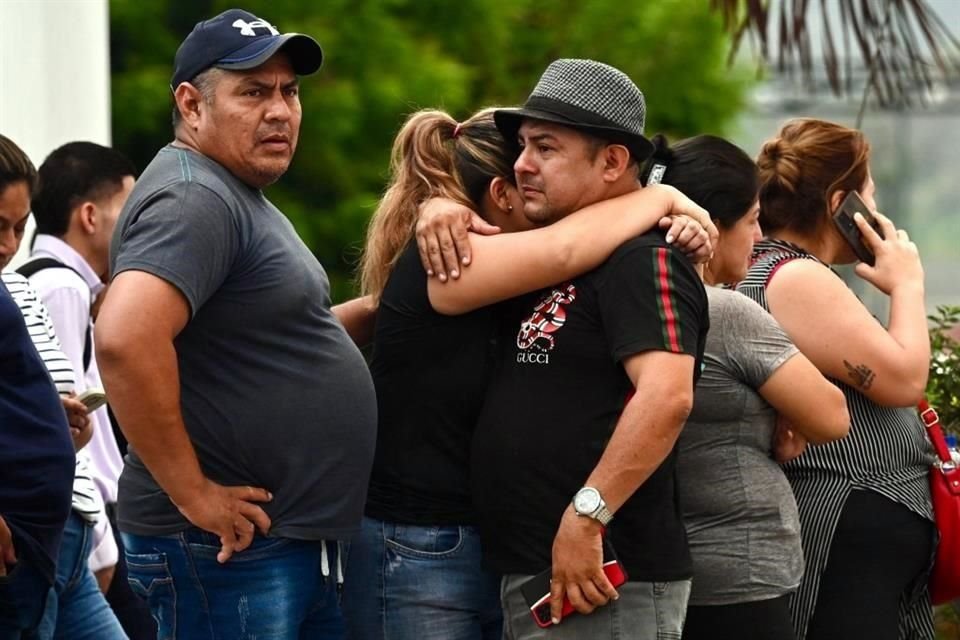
{"x":68,"y":297}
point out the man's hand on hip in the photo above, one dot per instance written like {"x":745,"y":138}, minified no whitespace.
{"x":578,"y":566}
{"x":230,"y":513}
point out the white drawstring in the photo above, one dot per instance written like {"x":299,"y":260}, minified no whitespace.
{"x":324,"y":560}
{"x":339,"y":564}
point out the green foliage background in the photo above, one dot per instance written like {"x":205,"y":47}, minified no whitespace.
{"x":943,"y":386}
{"x":387,"y":58}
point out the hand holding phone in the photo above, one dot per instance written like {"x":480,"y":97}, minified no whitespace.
{"x":843,"y":218}
{"x":897,"y":258}
{"x":536,"y":591}
{"x":93,"y":398}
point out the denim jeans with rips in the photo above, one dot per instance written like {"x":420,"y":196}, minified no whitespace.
{"x":412,"y":582}
{"x":276,"y":589}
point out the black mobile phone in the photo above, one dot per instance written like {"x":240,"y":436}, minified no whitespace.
{"x":847,"y":226}
{"x":536,"y":590}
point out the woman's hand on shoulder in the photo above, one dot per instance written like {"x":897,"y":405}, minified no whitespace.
{"x":897,"y":258}
{"x":442,"y":237}
{"x":687,"y":225}
{"x":689,"y":236}
{"x":682,"y":208}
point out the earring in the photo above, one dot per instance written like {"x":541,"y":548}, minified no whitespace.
{"x":510,"y":208}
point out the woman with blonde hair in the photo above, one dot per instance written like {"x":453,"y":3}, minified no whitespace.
{"x":864,"y":501}
{"x":415,"y":570}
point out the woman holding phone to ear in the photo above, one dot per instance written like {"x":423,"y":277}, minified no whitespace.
{"x":864,"y":501}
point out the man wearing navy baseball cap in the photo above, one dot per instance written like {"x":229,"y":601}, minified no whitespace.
{"x":238,"y":40}
{"x":250,"y":413}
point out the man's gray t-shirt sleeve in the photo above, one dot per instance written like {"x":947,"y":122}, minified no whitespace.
{"x":188,"y":236}
{"x":747,"y":324}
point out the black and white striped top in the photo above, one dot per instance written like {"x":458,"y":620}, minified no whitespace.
{"x":886,"y":451}
{"x":86,"y":498}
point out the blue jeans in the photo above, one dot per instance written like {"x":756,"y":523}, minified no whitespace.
{"x":274,"y":590}
{"x":78,"y":609}
{"x":645,"y":611}
{"x":131,"y":610}
{"x":407,"y":582}
{"x":24,"y":593}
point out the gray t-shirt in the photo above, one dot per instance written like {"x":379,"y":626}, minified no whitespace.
{"x":274,"y":393}
{"x":739,"y":510}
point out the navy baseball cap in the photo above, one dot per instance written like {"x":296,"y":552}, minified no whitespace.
{"x":237,"y":39}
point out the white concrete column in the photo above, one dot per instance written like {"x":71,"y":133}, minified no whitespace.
{"x":54,"y":74}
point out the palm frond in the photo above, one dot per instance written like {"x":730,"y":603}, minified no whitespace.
{"x":903,"y":44}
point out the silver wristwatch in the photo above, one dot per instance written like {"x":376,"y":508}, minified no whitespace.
{"x":588,"y":502}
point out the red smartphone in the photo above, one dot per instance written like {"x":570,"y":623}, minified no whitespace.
{"x":536,"y":590}
{"x":847,"y":226}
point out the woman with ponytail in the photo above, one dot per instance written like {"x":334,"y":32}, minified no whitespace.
{"x":739,"y":511}
{"x":415,"y":570}
{"x":864,"y":502}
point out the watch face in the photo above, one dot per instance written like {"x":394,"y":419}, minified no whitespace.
{"x":587,"y":500}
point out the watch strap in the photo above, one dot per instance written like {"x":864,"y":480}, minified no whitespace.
{"x":602,"y":515}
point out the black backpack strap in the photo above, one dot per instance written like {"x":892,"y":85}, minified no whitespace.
{"x":31,"y":267}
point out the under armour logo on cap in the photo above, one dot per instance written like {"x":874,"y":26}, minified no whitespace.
{"x":247,"y":28}
{"x":237,"y":40}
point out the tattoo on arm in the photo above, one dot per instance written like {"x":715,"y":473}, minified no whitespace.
{"x":862,"y":375}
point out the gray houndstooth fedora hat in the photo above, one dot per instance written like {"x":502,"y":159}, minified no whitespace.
{"x":587,"y":95}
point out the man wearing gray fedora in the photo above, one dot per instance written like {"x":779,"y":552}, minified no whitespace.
{"x":576,"y":440}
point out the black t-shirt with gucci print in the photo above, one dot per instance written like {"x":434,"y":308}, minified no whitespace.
{"x":557,"y":397}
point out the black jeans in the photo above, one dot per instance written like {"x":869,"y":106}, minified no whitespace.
{"x":879,"y":552}
{"x":757,"y":620}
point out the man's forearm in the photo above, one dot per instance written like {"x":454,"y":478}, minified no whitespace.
{"x":142,"y":382}
{"x":644,"y":436}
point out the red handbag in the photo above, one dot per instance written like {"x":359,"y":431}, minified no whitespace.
{"x":945,"y":493}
